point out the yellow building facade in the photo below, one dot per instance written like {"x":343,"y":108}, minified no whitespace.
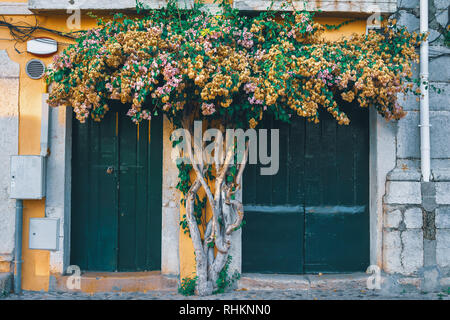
{"x":44,"y":269}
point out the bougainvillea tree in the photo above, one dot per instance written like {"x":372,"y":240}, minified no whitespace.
{"x":228,"y":70}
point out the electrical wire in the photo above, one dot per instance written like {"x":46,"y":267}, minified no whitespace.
{"x":35,"y":38}
{"x":24,"y":31}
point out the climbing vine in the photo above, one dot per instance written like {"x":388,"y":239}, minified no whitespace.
{"x":228,"y":70}
{"x":232,"y":66}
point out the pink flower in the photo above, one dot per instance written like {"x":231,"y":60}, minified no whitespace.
{"x":109,"y":87}
{"x":253,"y":100}
{"x":208,"y":109}
{"x":249,"y":87}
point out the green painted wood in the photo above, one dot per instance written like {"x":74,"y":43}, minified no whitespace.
{"x":116,"y":217}
{"x":337,"y":209}
{"x":269,"y":246}
{"x":155,"y":178}
{"x":94,"y":196}
{"x":274,"y":219}
{"x":324,"y":176}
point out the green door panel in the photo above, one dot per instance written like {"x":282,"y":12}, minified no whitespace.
{"x":94,"y":195}
{"x":324,"y":174}
{"x":272,"y":237}
{"x":116,"y":214}
{"x":270,"y":246}
{"x":337,"y":195}
{"x":154,"y":182}
{"x":335,"y":241}
{"x":139,"y":209}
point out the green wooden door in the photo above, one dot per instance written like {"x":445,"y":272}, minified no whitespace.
{"x":313,"y":216}
{"x":116,"y":193}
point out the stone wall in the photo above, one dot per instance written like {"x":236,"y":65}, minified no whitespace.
{"x":9,"y":124}
{"x":416,"y":231}
{"x":354,"y":6}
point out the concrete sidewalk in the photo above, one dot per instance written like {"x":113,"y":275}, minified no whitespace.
{"x":311,"y":294}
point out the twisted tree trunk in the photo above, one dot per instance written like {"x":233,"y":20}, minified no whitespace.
{"x":227,"y":216}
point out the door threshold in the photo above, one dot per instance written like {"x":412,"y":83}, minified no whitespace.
{"x":98,"y":282}
{"x":258,"y":281}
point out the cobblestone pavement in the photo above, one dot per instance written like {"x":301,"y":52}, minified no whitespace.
{"x":313,"y":294}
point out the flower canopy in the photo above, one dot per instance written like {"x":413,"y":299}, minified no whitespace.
{"x":232,"y":67}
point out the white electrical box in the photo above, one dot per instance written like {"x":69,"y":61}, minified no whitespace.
{"x":44,"y":233}
{"x":27,"y":177}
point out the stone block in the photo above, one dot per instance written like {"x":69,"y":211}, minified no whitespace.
{"x":412,"y":253}
{"x":433,"y":35}
{"x":443,"y":192}
{"x":413,"y":218}
{"x":408,"y":4}
{"x":443,"y":247}
{"x":392,"y":247}
{"x":392,"y":219}
{"x":439,"y":70}
{"x":440,"y":101}
{"x":409,"y":101}
{"x":404,"y":173}
{"x":442,"y":219}
{"x":441,"y":174}
{"x":431,"y":277}
{"x":408,"y":136}
{"x":410,"y":21}
{"x":442,"y":17}
{"x":403,"y":192}
{"x":441,"y":165}
{"x":429,"y":252}
{"x":436,"y":50}
{"x":439,"y":134}
{"x":254,"y":281}
{"x":440,"y":4}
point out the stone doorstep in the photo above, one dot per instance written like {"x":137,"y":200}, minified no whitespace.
{"x":314,"y":281}
{"x":97,"y":282}
{"x":5,"y":282}
{"x":256,"y":281}
{"x":301,"y":282}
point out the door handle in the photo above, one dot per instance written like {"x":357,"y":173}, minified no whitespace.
{"x":110,"y":170}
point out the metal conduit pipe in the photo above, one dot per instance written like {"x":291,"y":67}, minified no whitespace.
{"x":18,"y":249}
{"x":424,"y":99}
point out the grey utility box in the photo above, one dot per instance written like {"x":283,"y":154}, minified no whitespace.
{"x":44,"y":233}
{"x":27,"y":177}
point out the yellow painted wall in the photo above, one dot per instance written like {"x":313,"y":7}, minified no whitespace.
{"x":36,"y":263}
{"x":36,"y":266}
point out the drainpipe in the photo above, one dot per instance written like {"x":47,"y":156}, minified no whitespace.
{"x":19,"y":202}
{"x":424,"y":99}
{"x":18,"y":250}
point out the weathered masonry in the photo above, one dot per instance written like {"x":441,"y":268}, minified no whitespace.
{"x":352,"y":196}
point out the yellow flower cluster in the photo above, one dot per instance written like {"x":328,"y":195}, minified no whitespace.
{"x":287,"y":69}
